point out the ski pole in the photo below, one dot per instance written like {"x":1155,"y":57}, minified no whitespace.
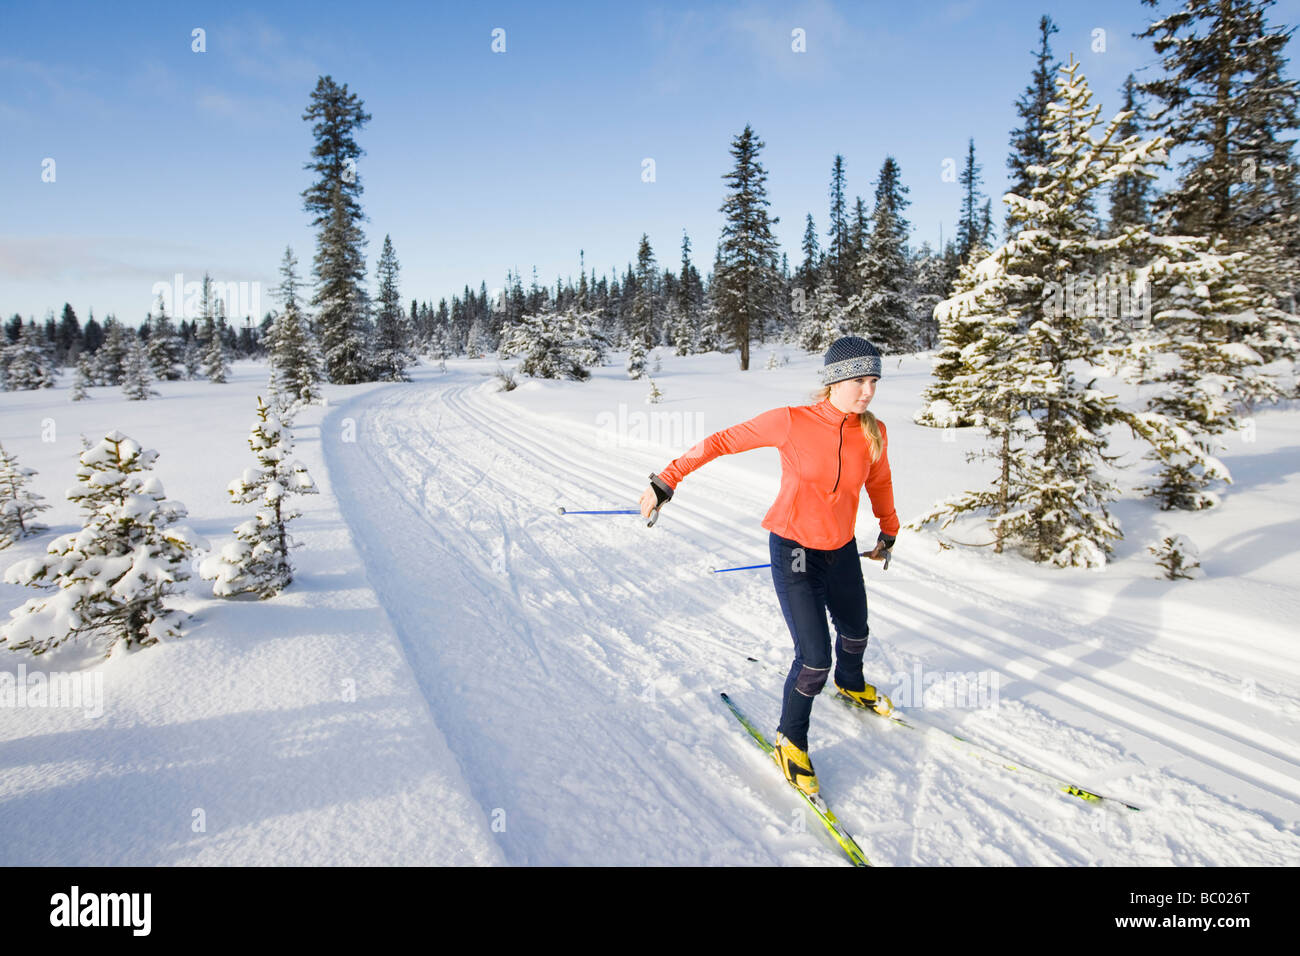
{"x":654,"y":515}
{"x":751,"y":567}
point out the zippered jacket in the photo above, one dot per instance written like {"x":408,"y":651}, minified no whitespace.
{"x":825,"y":464}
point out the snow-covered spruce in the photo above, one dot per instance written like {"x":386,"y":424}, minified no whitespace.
{"x":554,"y":344}
{"x":1177,"y":555}
{"x":257,"y":561}
{"x":1203,"y":374}
{"x":135,"y":372}
{"x":110,"y":359}
{"x":112,"y":576}
{"x":949,"y":402}
{"x":636,"y":358}
{"x":164,"y":347}
{"x":85,"y":378}
{"x":880,"y":309}
{"x":28,"y":363}
{"x":17,"y":504}
{"x":294,"y":354}
{"x":393,"y":352}
{"x":1051,"y":492}
{"x":822,"y":320}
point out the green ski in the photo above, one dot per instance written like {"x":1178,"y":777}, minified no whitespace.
{"x":818,"y":805}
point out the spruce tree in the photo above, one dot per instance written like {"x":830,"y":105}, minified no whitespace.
{"x":112,"y":576}
{"x":294,"y":355}
{"x":135,"y":373}
{"x":110,"y":360}
{"x":257,"y":561}
{"x":969,"y":223}
{"x":747,"y":252}
{"x":1130,"y":194}
{"x":393,"y":355}
{"x":824,"y":319}
{"x":639,"y":322}
{"x":1054,"y":493}
{"x":18,"y":506}
{"x":164,"y":347}
{"x":29,"y":363}
{"x":555,"y":344}
{"x":84,"y":379}
{"x":807,"y":276}
{"x":881,"y":309}
{"x":837,"y":254}
{"x":1027,"y":144}
{"x":339,"y":264}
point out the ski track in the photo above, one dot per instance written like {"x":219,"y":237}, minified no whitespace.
{"x":590,"y":716}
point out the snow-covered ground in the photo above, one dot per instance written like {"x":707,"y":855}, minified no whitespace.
{"x":461,"y":675}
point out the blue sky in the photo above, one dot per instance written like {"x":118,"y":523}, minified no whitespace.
{"x":171,"y":161}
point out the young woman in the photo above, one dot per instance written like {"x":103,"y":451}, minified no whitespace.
{"x":830,"y":451}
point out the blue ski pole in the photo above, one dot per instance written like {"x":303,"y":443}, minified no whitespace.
{"x":654,"y":515}
{"x":751,"y":567}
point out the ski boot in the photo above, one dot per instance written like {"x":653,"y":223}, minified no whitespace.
{"x":796,"y":766}
{"x":868,"y":699}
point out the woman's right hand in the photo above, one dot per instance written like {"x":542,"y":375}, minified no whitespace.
{"x":655,"y":496}
{"x":649,"y":501}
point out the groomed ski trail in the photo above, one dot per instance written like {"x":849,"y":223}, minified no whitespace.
{"x":573,"y":665}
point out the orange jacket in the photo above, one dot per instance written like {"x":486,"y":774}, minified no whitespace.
{"x":824,"y":466}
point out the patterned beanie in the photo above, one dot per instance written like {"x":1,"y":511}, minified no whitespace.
{"x":850,"y":357}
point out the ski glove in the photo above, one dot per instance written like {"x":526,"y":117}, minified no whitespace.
{"x":663,"y":491}
{"x":887,"y":541}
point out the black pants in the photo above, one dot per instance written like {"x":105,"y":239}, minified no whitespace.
{"x":808,"y":583}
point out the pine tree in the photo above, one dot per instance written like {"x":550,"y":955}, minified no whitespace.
{"x":881,"y":310}
{"x":393,"y":354}
{"x":636,"y":359}
{"x":85,"y":378}
{"x":216,"y":363}
{"x":110,"y":360}
{"x":929,"y":289}
{"x":1130,"y":194}
{"x":837,"y":255}
{"x":192,"y":358}
{"x":807,"y":275}
{"x":1223,"y":100}
{"x":28,"y":363}
{"x":554,"y":344}
{"x":1027,"y":144}
{"x":1053,"y":498}
{"x":639,"y":322}
{"x":824,"y":320}
{"x":113,"y":575}
{"x":135,"y":374}
{"x":257,"y":561}
{"x":164,"y":348}
{"x":747,"y":252}
{"x":1201,"y":377}
{"x":18,"y":506}
{"x":339,"y":264}
{"x":969,"y":224}
{"x":947,"y":399}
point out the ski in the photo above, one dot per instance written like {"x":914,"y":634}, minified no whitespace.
{"x":985,"y":753}
{"x":818,"y":805}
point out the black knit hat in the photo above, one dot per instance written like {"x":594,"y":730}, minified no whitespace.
{"x":850,"y":357}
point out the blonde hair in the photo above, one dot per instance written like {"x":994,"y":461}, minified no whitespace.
{"x":870,"y":427}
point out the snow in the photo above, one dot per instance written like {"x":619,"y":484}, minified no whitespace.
{"x":458,"y":674}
